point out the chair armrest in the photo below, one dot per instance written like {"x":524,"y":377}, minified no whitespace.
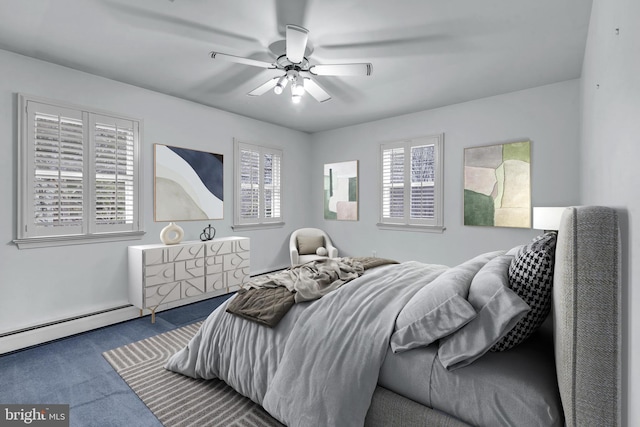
{"x":332,"y":251}
{"x":295,"y":257}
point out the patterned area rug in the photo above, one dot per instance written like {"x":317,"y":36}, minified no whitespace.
{"x":177,"y":400}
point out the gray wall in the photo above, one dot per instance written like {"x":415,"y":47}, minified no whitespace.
{"x":43,"y":285}
{"x":548,"y":116}
{"x":610,"y":156}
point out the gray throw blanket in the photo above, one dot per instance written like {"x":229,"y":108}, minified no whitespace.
{"x":267,"y":299}
{"x":312,"y":280}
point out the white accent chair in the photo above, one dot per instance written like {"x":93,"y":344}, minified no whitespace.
{"x":307,"y":244}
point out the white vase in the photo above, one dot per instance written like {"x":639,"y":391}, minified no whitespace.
{"x":171,"y":234}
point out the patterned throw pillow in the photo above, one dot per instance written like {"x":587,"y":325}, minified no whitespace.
{"x":531,"y":277}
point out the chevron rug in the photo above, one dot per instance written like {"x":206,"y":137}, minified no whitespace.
{"x":177,"y":400}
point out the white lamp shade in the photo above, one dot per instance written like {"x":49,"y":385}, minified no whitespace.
{"x":547,"y":218}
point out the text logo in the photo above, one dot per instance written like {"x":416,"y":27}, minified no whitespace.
{"x":34,"y":415}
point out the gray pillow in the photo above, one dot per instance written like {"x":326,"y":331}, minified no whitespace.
{"x":531,"y":277}
{"x":439,"y":308}
{"x":308,"y":245}
{"x":499,"y":309}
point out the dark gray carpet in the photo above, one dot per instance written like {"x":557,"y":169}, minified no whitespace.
{"x":177,"y":400}
{"x":73,"y":371}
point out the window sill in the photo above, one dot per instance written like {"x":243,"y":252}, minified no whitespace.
{"x":261,"y":226}
{"x":51,"y":241}
{"x":410,"y":227}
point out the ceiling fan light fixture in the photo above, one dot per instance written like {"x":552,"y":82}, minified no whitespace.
{"x":282,"y":83}
{"x":297,"y":90}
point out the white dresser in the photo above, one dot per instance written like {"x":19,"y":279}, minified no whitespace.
{"x":162,"y":274}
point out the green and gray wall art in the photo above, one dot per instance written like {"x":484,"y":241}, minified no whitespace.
{"x":497,"y":185}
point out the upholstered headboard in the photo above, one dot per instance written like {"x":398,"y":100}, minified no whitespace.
{"x":587,"y":316}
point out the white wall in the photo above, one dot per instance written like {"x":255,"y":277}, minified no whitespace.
{"x":611,"y":155}
{"x":548,"y":116}
{"x":42,"y":285}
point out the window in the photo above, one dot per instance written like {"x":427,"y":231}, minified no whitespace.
{"x":258,"y":186}
{"x":411,"y":184}
{"x":78,"y":178}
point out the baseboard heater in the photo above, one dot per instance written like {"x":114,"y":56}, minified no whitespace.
{"x":50,"y":331}
{"x":57,"y":322}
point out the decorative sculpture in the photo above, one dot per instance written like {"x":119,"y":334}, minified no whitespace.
{"x":208,"y":233}
{"x":172,"y":234}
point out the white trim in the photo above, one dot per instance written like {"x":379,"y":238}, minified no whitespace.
{"x":261,"y":221}
{"x":405,"y":222}
{"x":66,"y":327}
{"x":81,"y":239}
{"x":411,"y":227}
{"x":30,"y":235}
{"x":56,"y":331}
{"x":257,"y":226}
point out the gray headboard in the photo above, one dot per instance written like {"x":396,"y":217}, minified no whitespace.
{"x":587,"y":316}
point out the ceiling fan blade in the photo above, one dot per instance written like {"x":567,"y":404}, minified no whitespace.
{"x":163,"y":23}
{"x":296,"y":43}
{"x":315,"y":90}
{"x":288,"y":11}
{"x":241,"y":60}
{"x":265,"y":87}
{"x":363,"y":69}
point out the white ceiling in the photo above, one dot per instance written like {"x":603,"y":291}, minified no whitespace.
{"x":425,"y":53}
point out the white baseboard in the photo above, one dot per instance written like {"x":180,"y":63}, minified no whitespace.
{"x":56,"y":331}
{"x":64,"y":328}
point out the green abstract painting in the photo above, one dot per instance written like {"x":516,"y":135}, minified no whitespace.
{"x":497,"y":185}
{"x":341,"y":191}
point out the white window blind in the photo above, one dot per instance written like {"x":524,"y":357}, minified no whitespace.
{"x":78,"y":175}
{"x":258,"y":184}
{"x":249,"y":184}
{"x":114,"y":173}
{"x":393,"y":183}
{"x":271,"y":175}
{"x":411,"y":182}
{"x":56,"y":170}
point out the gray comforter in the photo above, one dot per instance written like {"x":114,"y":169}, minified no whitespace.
{"x":347,"y":332}
{"x":320,"y":364}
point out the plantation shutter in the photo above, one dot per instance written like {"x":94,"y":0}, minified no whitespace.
{"x":249,"y":184}
{"x":55,"y":171}
{"x":422,"y":182}
{"x":78,"y":175}
{"x":114,"y":143}
{"x":271,"y":172}
{"x":411,"y":182}
{"x":258,"y":182}
{"x":393,"y":183}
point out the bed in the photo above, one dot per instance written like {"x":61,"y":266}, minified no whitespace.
{"x":415,"y":344}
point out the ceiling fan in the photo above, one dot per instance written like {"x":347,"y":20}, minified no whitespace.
{"x":297,"y":70}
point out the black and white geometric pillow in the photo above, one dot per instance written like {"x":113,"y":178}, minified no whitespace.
{"x":531,"y":277}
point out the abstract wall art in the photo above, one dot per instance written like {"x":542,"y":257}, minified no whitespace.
{"x":341,"y":191}
{"x":497,"y":185}
{"x":188,"y":184}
